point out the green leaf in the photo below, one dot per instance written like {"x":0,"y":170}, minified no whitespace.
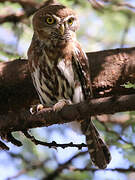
{"x":129,"y":85}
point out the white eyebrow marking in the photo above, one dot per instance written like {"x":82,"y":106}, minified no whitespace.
{"x":71,"y":16}
{"x":58,"y":19}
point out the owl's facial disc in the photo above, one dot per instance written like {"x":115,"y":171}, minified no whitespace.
{"x":55,"y":23}
{"x":56,"y":28}
{"x":62,"y":29}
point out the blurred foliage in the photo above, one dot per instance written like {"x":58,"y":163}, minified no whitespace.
{"x":109,"y":26}
{"x":129,"y":85}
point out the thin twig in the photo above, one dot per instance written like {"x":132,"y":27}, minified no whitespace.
{"x":63,"y":166}
{"x":118,"y":136}
{"x":53,"y":144}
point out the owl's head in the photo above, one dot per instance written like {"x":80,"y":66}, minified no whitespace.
{"x":55,"y":23}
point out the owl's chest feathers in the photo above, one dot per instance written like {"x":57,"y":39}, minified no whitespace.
{"x":53,"y":75}
{"x":66,"y":69}
{"x":62,"y":62}
{"x":53,"y":78}
{"x":60,"y":58}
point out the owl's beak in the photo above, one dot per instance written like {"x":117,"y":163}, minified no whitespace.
{"x":62,"y":29}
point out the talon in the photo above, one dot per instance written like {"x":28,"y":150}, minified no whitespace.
{"x":40,"y":107}
{"x":33,"y":110}
{"x":36,"y":108}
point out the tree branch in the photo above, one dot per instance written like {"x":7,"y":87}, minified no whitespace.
{"x":47,"y":117}
{"x":110,"y":69}
{"x":29,"y":8}
{"x":63,"y":166}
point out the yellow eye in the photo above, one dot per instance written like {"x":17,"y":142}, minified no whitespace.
{"x":50,"y":20}
{"x":70,"y":21}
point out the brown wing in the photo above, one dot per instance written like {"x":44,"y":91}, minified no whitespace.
{"x":81,"y":65}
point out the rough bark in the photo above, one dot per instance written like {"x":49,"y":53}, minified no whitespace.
{"x":24,"y":120}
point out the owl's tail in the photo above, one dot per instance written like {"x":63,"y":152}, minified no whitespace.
{"x":98,"y":150}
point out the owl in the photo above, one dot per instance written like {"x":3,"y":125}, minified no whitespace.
{"x":60,"y":70}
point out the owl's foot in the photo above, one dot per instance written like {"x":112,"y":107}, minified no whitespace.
{"x":36,"y":108}
{"x":60,"y":104}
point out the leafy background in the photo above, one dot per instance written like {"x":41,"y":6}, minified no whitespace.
{"x":105,"y":25}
